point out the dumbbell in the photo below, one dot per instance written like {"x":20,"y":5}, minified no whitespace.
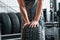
{"x":45,"y":14}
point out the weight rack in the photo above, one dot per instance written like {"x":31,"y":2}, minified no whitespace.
{"x":16,"y":36}
{"x":52,"y":30}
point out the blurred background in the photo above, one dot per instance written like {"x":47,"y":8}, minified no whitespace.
{"x":50,"y":10}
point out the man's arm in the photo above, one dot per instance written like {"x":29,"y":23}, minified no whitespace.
{"x":38,"y":10}
{"x":35,"y":21}
{"x":23,"y":11}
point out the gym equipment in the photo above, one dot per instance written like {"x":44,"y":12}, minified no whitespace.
{"x":6,"y":23}
{"x":53,"y":4}
{"x":51,"y":12}
{"x":45,"y":14}
{"x":58,"y":13}
{"x":59,"y":5}
{"x":15,"y":22}
{"x":19,"y":17}
{"x":32,"y":33}
{"x":56,"y":17}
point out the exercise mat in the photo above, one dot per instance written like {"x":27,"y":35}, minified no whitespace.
{"x":32,"y":33}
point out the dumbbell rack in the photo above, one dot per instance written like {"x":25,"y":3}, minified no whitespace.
{"x":51,"y":24}
{"x":16,"y":36}
{"x":11,"y":36}
{"x":52,"y":27}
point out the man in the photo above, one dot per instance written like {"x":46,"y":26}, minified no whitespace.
{"x":31,"y":13}
{"x":24,"y":8}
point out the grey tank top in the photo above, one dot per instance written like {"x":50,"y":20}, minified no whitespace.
{"x":31,"y":8}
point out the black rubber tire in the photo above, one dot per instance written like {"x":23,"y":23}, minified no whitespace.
{"x":6,"y":23}
{"x":15,"y":22}
{"x":32,"y":33}
{"x":19,"y":17}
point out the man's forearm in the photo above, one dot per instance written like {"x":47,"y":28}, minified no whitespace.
{"x":38,"y":10}
{"x":24,"y":15}
{"x":23,"y":11}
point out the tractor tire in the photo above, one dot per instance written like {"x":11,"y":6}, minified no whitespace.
{"x":6,"y":23}
{"x":15,"y":22}
{"x":19,"y":17}
{"x":32,"y":33}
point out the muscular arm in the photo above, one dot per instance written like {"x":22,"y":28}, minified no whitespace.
{"x":35,"y":23}
{"x":23,"y":11}
{"x":38,"y":10}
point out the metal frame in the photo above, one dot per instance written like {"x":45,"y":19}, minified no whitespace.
{"x":16,"y":36}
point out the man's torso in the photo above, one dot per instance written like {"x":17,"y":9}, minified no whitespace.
{"x":31,"y":8}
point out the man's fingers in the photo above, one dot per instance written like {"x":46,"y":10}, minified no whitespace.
{"x":30,"y":25}
{"x":25,"y":25}
{"x":34,"y":26}
{"x":37,"y":25}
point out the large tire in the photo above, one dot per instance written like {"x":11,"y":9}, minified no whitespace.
{"x":19,"y":17}
{"x":32,"y":33}
{"x":15,"y":22}
{"x":6,"y":23}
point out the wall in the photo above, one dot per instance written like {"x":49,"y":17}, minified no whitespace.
{"x":14,"y":4}
{"x":11,"y":3}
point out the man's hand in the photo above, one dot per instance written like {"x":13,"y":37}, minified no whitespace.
{"x":34,"y":24}
{"x":26,"y":24}
{"x":31,"y":24}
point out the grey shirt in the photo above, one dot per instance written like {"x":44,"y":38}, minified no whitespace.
{"x":31,"y":8}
